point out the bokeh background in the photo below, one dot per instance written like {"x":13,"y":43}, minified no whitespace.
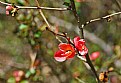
{"x":100,"y":36}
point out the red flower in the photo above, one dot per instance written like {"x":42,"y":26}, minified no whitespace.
{"x":94,"y":55}
{"x":65,"y":51}
{"x":80,"y":45}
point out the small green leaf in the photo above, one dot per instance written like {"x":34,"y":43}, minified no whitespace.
{"x":23,"y":26}
{"x":37,"y":34}
{"x":11,"y":80}
{"x":32,"y":42}
{"x":11,"y":1}
{"x":66,"y":4}
{"x":27,"y":75}
{"x":32,"y":70}
{"x":22,"y":2}
{"x":24,"y":81}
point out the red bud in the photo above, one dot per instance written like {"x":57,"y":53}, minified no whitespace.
{"x":94,"y":55}
{"x":15,"y":73}
{"x":9,"y":8}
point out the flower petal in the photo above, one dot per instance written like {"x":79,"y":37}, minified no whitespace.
{"x":72,"y":55}
{"x":9,"y":8}
{"x":65,"y":47}
{"x":7,"y":12}
{"x":60,"y":59}
{"x":78,"y":42}
{"x":84,"y":50}
{"x":77,"y":38}
{"x":59,"y":53}
{"x":60,"y":56}
{"x":80,"y":45}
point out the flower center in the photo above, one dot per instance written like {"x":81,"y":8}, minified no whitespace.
{"x":83,"y":47}
{"x":68,"y":53}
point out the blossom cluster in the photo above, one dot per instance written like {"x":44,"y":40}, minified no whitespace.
{"x":11,"y":10}
{"x":67,"y":51}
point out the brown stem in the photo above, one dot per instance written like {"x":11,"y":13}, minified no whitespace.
{"x":100,"y":18}
{"x":42,"y":14}
{"x":62,"y":35}
{"x":77,"y":18}
{"x":82,"y":34}
{"x":43,"y":8}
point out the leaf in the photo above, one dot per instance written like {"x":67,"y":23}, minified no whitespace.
{"x":27,"y":75}
{"x":32,"y":42}
{"x":11,"y":80}
{"x":24,"y":81}
{"x":66,"y":4}
{"x":37,"y":34}
{"x":23,"y":26}
{"x":22,"y":2}
{"x":32,"y":70}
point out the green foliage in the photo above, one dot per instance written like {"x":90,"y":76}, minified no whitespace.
{"x":24,"y":81}
{"x":32,"y":70}
{"x":66,"y":4}
{"x":28,"y":73}
{"x":11,"y":80}
{"x":23,"y":27}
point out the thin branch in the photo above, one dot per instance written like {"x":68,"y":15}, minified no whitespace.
{"x":43,"y":8}
{"x":77,"y":18}
{"x":101,"y":18}
{"x":82,"y":34}
{"x":42,"y":14}
{"x":62,"y":35}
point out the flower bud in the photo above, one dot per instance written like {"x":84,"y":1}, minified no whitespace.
{"x":9,"y":8}
{"x":15,"y":73}
{"x":18,"y":79}
{"x":20,"y":73}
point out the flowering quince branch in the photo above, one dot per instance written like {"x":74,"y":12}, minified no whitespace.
{"x":82,"y":34}
{"x":66,"y":50}
{"x":44,"y":8}
{"x":78,"y":45}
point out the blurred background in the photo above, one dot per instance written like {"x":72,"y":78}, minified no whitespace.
{"x":101,"y":36}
